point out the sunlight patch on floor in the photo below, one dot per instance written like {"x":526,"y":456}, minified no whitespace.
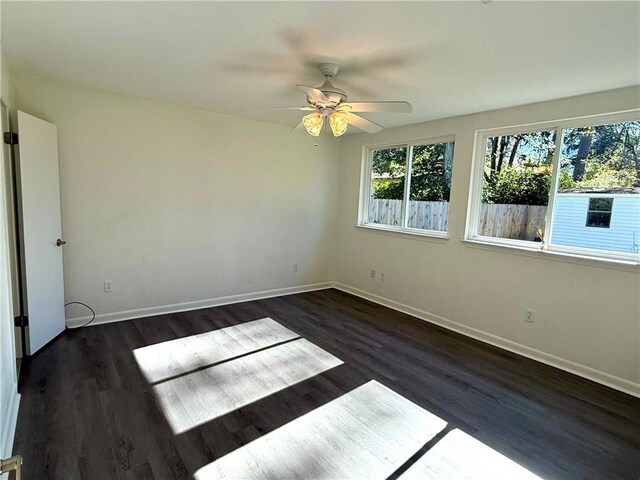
{"x":195,"y":398}
{"x":176,"y":357}
{"x":460,"y":456}
{"x":367,"y":433}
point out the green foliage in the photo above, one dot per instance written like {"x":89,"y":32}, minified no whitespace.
{"x":388,"y":188}
{"x":388,"y":168}
{"x":518,"y":167}
{"x":565,"y":181}
{"x":612,"y":158}
{"x":607,"y":175}
{"x":389,"y":161}
{"x":522,"y":185}
{"x":430,"y":172}
{"x":607,"y":140}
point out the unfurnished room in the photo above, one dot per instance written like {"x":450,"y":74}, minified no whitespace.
{"x":367,"y":240}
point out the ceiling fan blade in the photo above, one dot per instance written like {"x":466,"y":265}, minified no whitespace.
{"x":395,"y":107}
{"x":305,"y":108}
{"x":362,"y":123}
{"x":314,"y":95}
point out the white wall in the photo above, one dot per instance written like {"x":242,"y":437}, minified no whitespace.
{"x":587,"y":313}
{"x":178,"y":205}
{"x":9,"y":398}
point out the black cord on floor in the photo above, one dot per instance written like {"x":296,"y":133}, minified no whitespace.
{"x":92,"y":312}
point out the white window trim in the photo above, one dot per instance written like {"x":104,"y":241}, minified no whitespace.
{"x":413,"y":233}
{"x":365,"y":188}
{"x":573,"y":258}
{"x":477,"y":179}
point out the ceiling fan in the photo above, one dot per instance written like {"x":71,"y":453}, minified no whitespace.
{"x":329,"y":102}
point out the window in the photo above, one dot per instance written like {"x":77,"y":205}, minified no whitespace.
{"x":407,"y":187}
{"x":388,"y":174}
{"x":515,"y":186}
{"x":555,"y":187}
{"x":599,"y":213}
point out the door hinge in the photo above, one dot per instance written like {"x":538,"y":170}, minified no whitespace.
{"x":21,"y":321}
{"x":10,"y":138}
{"x":11,"y":464}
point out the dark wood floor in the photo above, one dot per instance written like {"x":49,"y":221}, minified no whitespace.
{"x":87,"y":412}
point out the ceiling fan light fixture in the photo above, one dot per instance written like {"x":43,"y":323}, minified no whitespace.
{"x":313,"y":123}
{"x":331,"y":102}
{"x":338,"y":122}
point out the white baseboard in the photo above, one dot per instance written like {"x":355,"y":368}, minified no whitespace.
{"x":9,"y":426}
{"x":186,"y":306}
{"x":578,"y":369}
{"x":538,"y":355}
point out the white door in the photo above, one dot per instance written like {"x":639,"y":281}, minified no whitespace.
{"x":41,"y":229}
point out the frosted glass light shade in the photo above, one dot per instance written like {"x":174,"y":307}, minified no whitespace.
{"x":338,"y":123}
{"x":313,"y":123}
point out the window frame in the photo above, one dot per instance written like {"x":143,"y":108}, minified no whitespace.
{"x":589,"y":210}
{"x":365,"y":186}
{"x":477,"y":180}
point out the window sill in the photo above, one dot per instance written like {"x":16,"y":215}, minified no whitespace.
{"x":415,"y":234}
{"x":556,"y":256}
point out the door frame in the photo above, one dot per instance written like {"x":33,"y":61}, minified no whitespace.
{"x":12,"y":201}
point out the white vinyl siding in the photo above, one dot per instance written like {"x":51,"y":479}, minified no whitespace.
{"x":569,"y":223}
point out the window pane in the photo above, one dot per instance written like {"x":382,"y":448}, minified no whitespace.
{"x":597,"y":204}
{"x":599,"y":219}
{"x":601,"y":204}
{"x":430,"y":186}
{"x":388,"y":168}
{"x":515,"y":189}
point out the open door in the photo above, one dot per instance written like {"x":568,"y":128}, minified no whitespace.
{"x":40,"y":224}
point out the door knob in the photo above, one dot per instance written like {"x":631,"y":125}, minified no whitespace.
{"x":60,"y":242}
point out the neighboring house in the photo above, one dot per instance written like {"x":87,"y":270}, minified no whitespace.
{"x":605,"y":219}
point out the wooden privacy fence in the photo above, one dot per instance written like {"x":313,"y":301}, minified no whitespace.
{"x":425,"y":215}
{"x":511,"y":221}
{"x":496,"y":220}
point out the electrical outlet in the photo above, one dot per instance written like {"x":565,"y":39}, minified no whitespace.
{"x":373,"y":273}
{"x":382,"y":276}
{"x":108,"y":286}
{"x":529,"y":315}
{"x":295,"y":267}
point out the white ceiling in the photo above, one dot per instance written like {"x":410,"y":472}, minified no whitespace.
{"x":445,"y":58}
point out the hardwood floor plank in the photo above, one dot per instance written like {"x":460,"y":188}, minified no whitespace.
{"x":172,"y":358}
{"x":366,"y":433}
{"x":462,"y":457}
{"x":88,"y":412}
{"x":198,"y":397}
